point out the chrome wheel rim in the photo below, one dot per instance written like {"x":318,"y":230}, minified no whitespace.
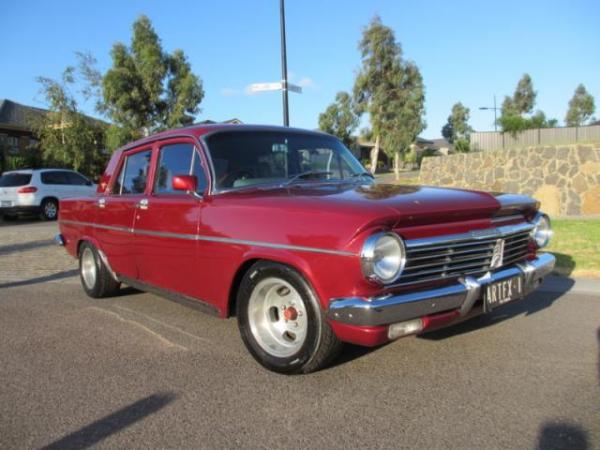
{"x":88,"y":268}
{"x":50,"y":210}
{"x":277,"y":317}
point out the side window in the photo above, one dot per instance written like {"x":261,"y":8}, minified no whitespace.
{"x":54,"y":177}
{"x":76,"y":179}
{"x":177,"y":159}
{"x":134,"y":174}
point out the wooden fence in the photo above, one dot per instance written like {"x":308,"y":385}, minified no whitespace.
{"x":540,"y":136}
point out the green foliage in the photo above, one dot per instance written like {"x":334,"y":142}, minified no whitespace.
{"x":524,"y":96}
{"x":390,"y":89}
{"x":146,"y":89}
{"x":462,"y":145}
{"x":522,"y":102}
{"x":340,"y":119}
{"x":457,"y":126}
{"x":581,"y":107}
{"x":67,"y":137}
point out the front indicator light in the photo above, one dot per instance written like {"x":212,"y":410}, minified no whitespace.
{"x":398,"y":330}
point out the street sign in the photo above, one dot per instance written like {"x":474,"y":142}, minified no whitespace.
{"x":277,"y":86}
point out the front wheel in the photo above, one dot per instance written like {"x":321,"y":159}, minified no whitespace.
{"x":281,"y":322}
{"x":96,"y":279}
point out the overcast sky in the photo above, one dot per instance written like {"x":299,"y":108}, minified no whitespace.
{"x":467,"y":51}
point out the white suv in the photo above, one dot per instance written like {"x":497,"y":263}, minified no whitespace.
{"x":38,"y":191}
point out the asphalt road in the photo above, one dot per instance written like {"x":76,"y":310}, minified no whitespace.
{"x":138,"y":371}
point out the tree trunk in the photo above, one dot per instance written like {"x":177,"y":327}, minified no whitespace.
{"x":397,"y":165}
{"x":375,"y":156}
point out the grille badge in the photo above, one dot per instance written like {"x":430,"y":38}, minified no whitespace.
{"x":498,"y":255}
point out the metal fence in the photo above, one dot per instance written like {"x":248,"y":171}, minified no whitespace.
{"x":540,"y":136}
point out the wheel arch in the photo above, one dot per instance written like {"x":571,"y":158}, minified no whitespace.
{"x":299,"y":265}
{"x":50,"y":197}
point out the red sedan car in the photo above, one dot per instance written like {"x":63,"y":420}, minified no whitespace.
{"x":285,"y":229}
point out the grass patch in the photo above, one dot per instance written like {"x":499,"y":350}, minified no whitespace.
{"x":576,"y":245}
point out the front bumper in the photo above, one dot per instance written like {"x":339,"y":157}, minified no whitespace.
{"x":460,"y":296}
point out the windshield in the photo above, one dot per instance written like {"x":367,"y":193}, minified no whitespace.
{"x":246,"y":158}
{"x":15,"y":179}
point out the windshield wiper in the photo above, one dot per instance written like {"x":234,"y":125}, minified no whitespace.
{"x":362,"y":174}
{"x":308,"y":173}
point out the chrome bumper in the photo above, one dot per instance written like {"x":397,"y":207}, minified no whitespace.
{"x":461,"y":296}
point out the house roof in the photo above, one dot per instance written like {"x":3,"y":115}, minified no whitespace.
{"x":16,"y":115}
{"x":441,"y":143}
{"x":233,"y":121}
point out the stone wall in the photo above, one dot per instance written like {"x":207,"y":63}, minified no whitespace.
{"x":565,"y":179}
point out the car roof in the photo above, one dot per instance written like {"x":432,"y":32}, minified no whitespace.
{"x":198,"y":130}
{"x":31,"y":171}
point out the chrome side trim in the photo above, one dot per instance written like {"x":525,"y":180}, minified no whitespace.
{"x":475,"y":235}
{"x":460,"y":296}
{"x":197,"y":237}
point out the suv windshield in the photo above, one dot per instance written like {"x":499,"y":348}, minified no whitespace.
{"x":15,"y":179}
{"x":246,"y":158}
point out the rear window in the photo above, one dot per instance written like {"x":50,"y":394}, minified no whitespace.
{"x":15,"y":179}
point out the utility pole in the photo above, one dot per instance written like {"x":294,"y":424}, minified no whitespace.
{"x":284,"y":76}
{"x":284,"y":86}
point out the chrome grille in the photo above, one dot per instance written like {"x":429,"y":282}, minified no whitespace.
{"x":444,"y":257}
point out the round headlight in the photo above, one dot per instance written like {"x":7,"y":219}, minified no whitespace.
{"x":383,"y":257}
{"x":542,"y":232}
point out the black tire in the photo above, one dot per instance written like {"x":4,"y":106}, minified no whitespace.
{"x":320,"y":345}
{"x":49,"y":209}
{"x":103,"y":284}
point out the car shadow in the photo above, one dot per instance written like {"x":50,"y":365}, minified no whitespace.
{"x":18,"y":221}
{"x":42,"y":279}
{"x":350,"y":352}
{"x":565,"y":264}
{"x":533,"y":303}
{"x":113,"y":423}
{"x":561,"y":435}
{"x":24,"y":246}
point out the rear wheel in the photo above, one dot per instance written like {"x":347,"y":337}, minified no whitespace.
{"x":96,"y":279}
{"x":281,"y":322}
{"x":50,"y":209}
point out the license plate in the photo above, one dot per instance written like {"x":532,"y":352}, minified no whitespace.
{"x":6,"y":203}
{"x":502,"y":292}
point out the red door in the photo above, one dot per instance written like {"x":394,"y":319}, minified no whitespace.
{"x":115,"y":212}
{"x":166,"y":225}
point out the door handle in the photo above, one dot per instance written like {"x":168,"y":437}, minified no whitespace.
{"x":143,"y":204}
{"x":101,"y":203}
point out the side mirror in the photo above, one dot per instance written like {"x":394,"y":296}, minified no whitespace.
{"x":187,"y":183}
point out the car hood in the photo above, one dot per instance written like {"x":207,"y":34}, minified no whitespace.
{"x":331,"y":215}
{"x":401,"y":201}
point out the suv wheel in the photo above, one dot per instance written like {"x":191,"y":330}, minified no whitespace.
{"x":281,"y":321}
{"x":95,"y":277}
{"x":49,"y":209}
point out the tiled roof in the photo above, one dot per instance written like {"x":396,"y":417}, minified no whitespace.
{"x":16,"y":115}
